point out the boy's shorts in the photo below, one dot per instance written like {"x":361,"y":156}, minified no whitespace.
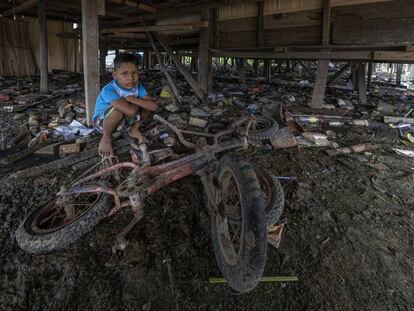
{"x":125,"y":123}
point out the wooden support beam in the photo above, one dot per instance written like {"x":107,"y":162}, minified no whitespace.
{"x":103,"y":52}
{"x":260,"y":31}
{"x":181,"y":68}
{"x":147,"y":60}
{"x":354,"y":75}
{"x":394,"y":56}
{"x":135,"y":4}
{"x":204,"y":58}
{"x":398,"y":74}
{"x":362,"y":84}
{"x":267,"y":70}
{"x":41,"y":11}
{"x":241,"y":64}
{"x":21,"y":7}
{"x":318,"y":94}
{"x":326,"y":23}
{"x":369,"y":80}
{"x":310,"y":55}
{"x":175,"y":27}
{"x":164,"y":70}
{"x":339,"y":73}
{"x":90,"y":55}
{"x":126,"y":35}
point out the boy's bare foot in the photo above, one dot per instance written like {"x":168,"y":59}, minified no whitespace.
{"x":105,"y":146}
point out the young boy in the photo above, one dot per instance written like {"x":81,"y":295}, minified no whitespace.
{"x":122,"y":99}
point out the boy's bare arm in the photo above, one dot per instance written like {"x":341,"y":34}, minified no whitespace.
{"x":146,"y":102}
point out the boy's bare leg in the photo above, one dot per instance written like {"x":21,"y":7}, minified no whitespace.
{"x":109,"y":126}
{"x":135,"y":132}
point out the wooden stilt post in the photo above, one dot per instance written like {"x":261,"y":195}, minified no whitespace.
{"x":260,"y":32}
{"x":193,"y":64}
{"x":267,"y":67}
{"x":102,"y":58}
{"x":90,"y":55}
{"x":204,"y":62}
{"x":318,"y":94}
{"x":147,"y":60}
{"x":362,"y":83}
{"x":41,"y":10}
{"x":242,"y":70}
{"x":369,"y":81}
{"x":398,"y":74}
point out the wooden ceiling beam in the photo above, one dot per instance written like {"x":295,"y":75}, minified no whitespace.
{"x":135,"y":4}
{"x":21,"y":7}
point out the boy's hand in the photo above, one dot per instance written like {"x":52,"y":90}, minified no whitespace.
{"x":130,"y":98}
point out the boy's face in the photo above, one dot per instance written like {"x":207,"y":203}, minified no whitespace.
{"x":126,"y":75}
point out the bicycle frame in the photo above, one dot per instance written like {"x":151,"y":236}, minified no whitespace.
{"x":143,"y":181}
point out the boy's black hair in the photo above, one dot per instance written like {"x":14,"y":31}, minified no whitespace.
{"x":125,"y":58}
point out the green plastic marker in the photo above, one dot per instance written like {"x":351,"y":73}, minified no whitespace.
{"x":288,"y":278}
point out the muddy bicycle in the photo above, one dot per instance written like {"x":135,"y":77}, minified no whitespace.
{"x":243,"y":202}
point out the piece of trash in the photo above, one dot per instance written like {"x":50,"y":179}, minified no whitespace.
{"x":197,"y":122}
{"x":317,"y":138}
{"x":69,"y":149}
{"x":167,"y":139}
{"x":406,"y":153}
{"x":166,"y":93}
{"x":283,"y":139}
{"x":345,"y":104}
{"x":252,"y":108}
{"x":352,"y":149}
{"x":287,"y":278}
{"x":274,"y":233}
{"x":73,"y":130}
{"x":173,"y":107}
{"x":4,"y":98}
{"x":385,"y":107}
{"x":198,"y":112}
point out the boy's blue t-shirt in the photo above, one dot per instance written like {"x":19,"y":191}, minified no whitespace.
{"x":113,"y":91}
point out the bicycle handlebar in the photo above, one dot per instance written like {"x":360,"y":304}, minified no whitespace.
{"x":216,"y":136}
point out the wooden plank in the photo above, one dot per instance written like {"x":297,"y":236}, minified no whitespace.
{"x":21,"y":7}
{"x":318,"y":94}
{"x":41,"y":11}
{"x":181,"y":68}
{"x":126,"y":35}
{"x":396,"y":30}
{"x":180,"y":27}
{"x":90,"y":55}
{"x":333,"y":55}
{"x":397,"y":56}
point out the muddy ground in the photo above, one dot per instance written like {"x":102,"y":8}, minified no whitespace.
{"x":349,"y":240}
